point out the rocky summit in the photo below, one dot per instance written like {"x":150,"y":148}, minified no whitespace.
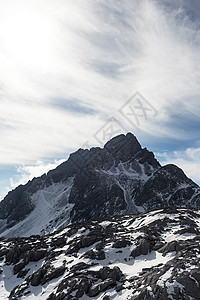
{"x":120,"y":178}
{"x":153,"y":255}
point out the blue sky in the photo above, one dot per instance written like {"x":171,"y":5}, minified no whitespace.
{"x":70,"y":70}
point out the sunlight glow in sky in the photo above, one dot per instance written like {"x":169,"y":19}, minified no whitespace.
{"x":26,"y":39}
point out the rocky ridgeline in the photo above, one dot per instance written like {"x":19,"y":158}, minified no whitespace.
{"x":120,"y":178}
{"x":154,"y":255}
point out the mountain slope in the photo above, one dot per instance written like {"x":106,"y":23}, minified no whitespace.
{"x":120,"y":178}
{"x":154,"y":255}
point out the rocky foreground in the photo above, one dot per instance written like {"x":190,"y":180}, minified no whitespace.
{"x":155,"y":255}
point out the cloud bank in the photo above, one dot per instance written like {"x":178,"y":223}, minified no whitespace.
{"x":67,"y":67}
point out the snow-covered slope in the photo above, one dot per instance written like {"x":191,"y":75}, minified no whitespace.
{"x":153,"y":255}
{"x":51,"y":210}
{"x":121,"y":178}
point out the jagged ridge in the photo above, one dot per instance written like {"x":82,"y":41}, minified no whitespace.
{"x":117,"y":179}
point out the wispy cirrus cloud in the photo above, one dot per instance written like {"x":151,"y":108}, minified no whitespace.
{"x":68,"y":66}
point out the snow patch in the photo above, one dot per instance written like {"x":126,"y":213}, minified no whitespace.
{"x":52,"y":209}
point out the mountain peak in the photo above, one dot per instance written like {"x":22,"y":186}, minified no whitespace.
{"x":117,"y":179}
{"x":127,"y":144}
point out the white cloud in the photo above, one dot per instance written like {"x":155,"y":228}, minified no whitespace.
{"x":188,"y":160}
{"x":28,"y":172}
{"x":97,"y":53}
{"x":5,"y":188}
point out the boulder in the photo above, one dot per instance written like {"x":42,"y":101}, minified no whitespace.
{"x":121,"y":243}
{"x":107,"y":272}
{"x":144,"y":248}
{"x":191,"y":283}
{"x":36,"y":278}
{"x":37,"y":254}
{"x":88,"y":240}
{"x":3,"y":251}
{"x":58,"y":242}
{"x":78,"y":267}
{"x":13,"y":255}
{"x":100,"y":287}
{"x":18,"y":267}
{"x":53,"y":273}
{"x":99,"y":255}
{"x":170,"y":247}
{"x":22,"y":273}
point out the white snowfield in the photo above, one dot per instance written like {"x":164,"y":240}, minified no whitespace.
{"x":52,"y":207}
{"x":52,"y":210}
{"x":130,"y":228}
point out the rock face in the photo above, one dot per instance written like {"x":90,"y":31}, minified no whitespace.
{"x":146,"y":256}
{"x":120,"y":178}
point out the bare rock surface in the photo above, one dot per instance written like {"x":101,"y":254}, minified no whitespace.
{"x":154,"y":255}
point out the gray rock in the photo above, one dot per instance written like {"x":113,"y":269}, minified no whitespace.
{"x":100,"y":287}
{"x":121,"y":243}
{"x":144,"y":248}
{"x":3,"y":251}
{"x":114,"y":273}
{"x":191,"y":283}
{"x":22,"y":273}
{"x":36,"y":277}
{"x":99,"y":255}
{"x":52,"y":273}
{"x":58,"y":242}
{"x":89,"y":240}
{"x":144,"y":295}
{"x":106,"y":298}
{"x":25,"y":247}
{"x":78,"y":267}
{"x":158,"y":245}
{"x":18,"y":267}
{"x":170,"y":247}
{"x":13,"y":255}
{"x":38,"y":254}
{"x":99,"y":246}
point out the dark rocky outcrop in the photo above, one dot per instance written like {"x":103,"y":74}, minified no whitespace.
{"x":144,"y":247}
{"x":122,"y":177}
{"x":121,"y":243}
{"x":95,"y":259}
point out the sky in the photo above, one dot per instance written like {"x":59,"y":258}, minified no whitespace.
{"x":73,"y":74}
